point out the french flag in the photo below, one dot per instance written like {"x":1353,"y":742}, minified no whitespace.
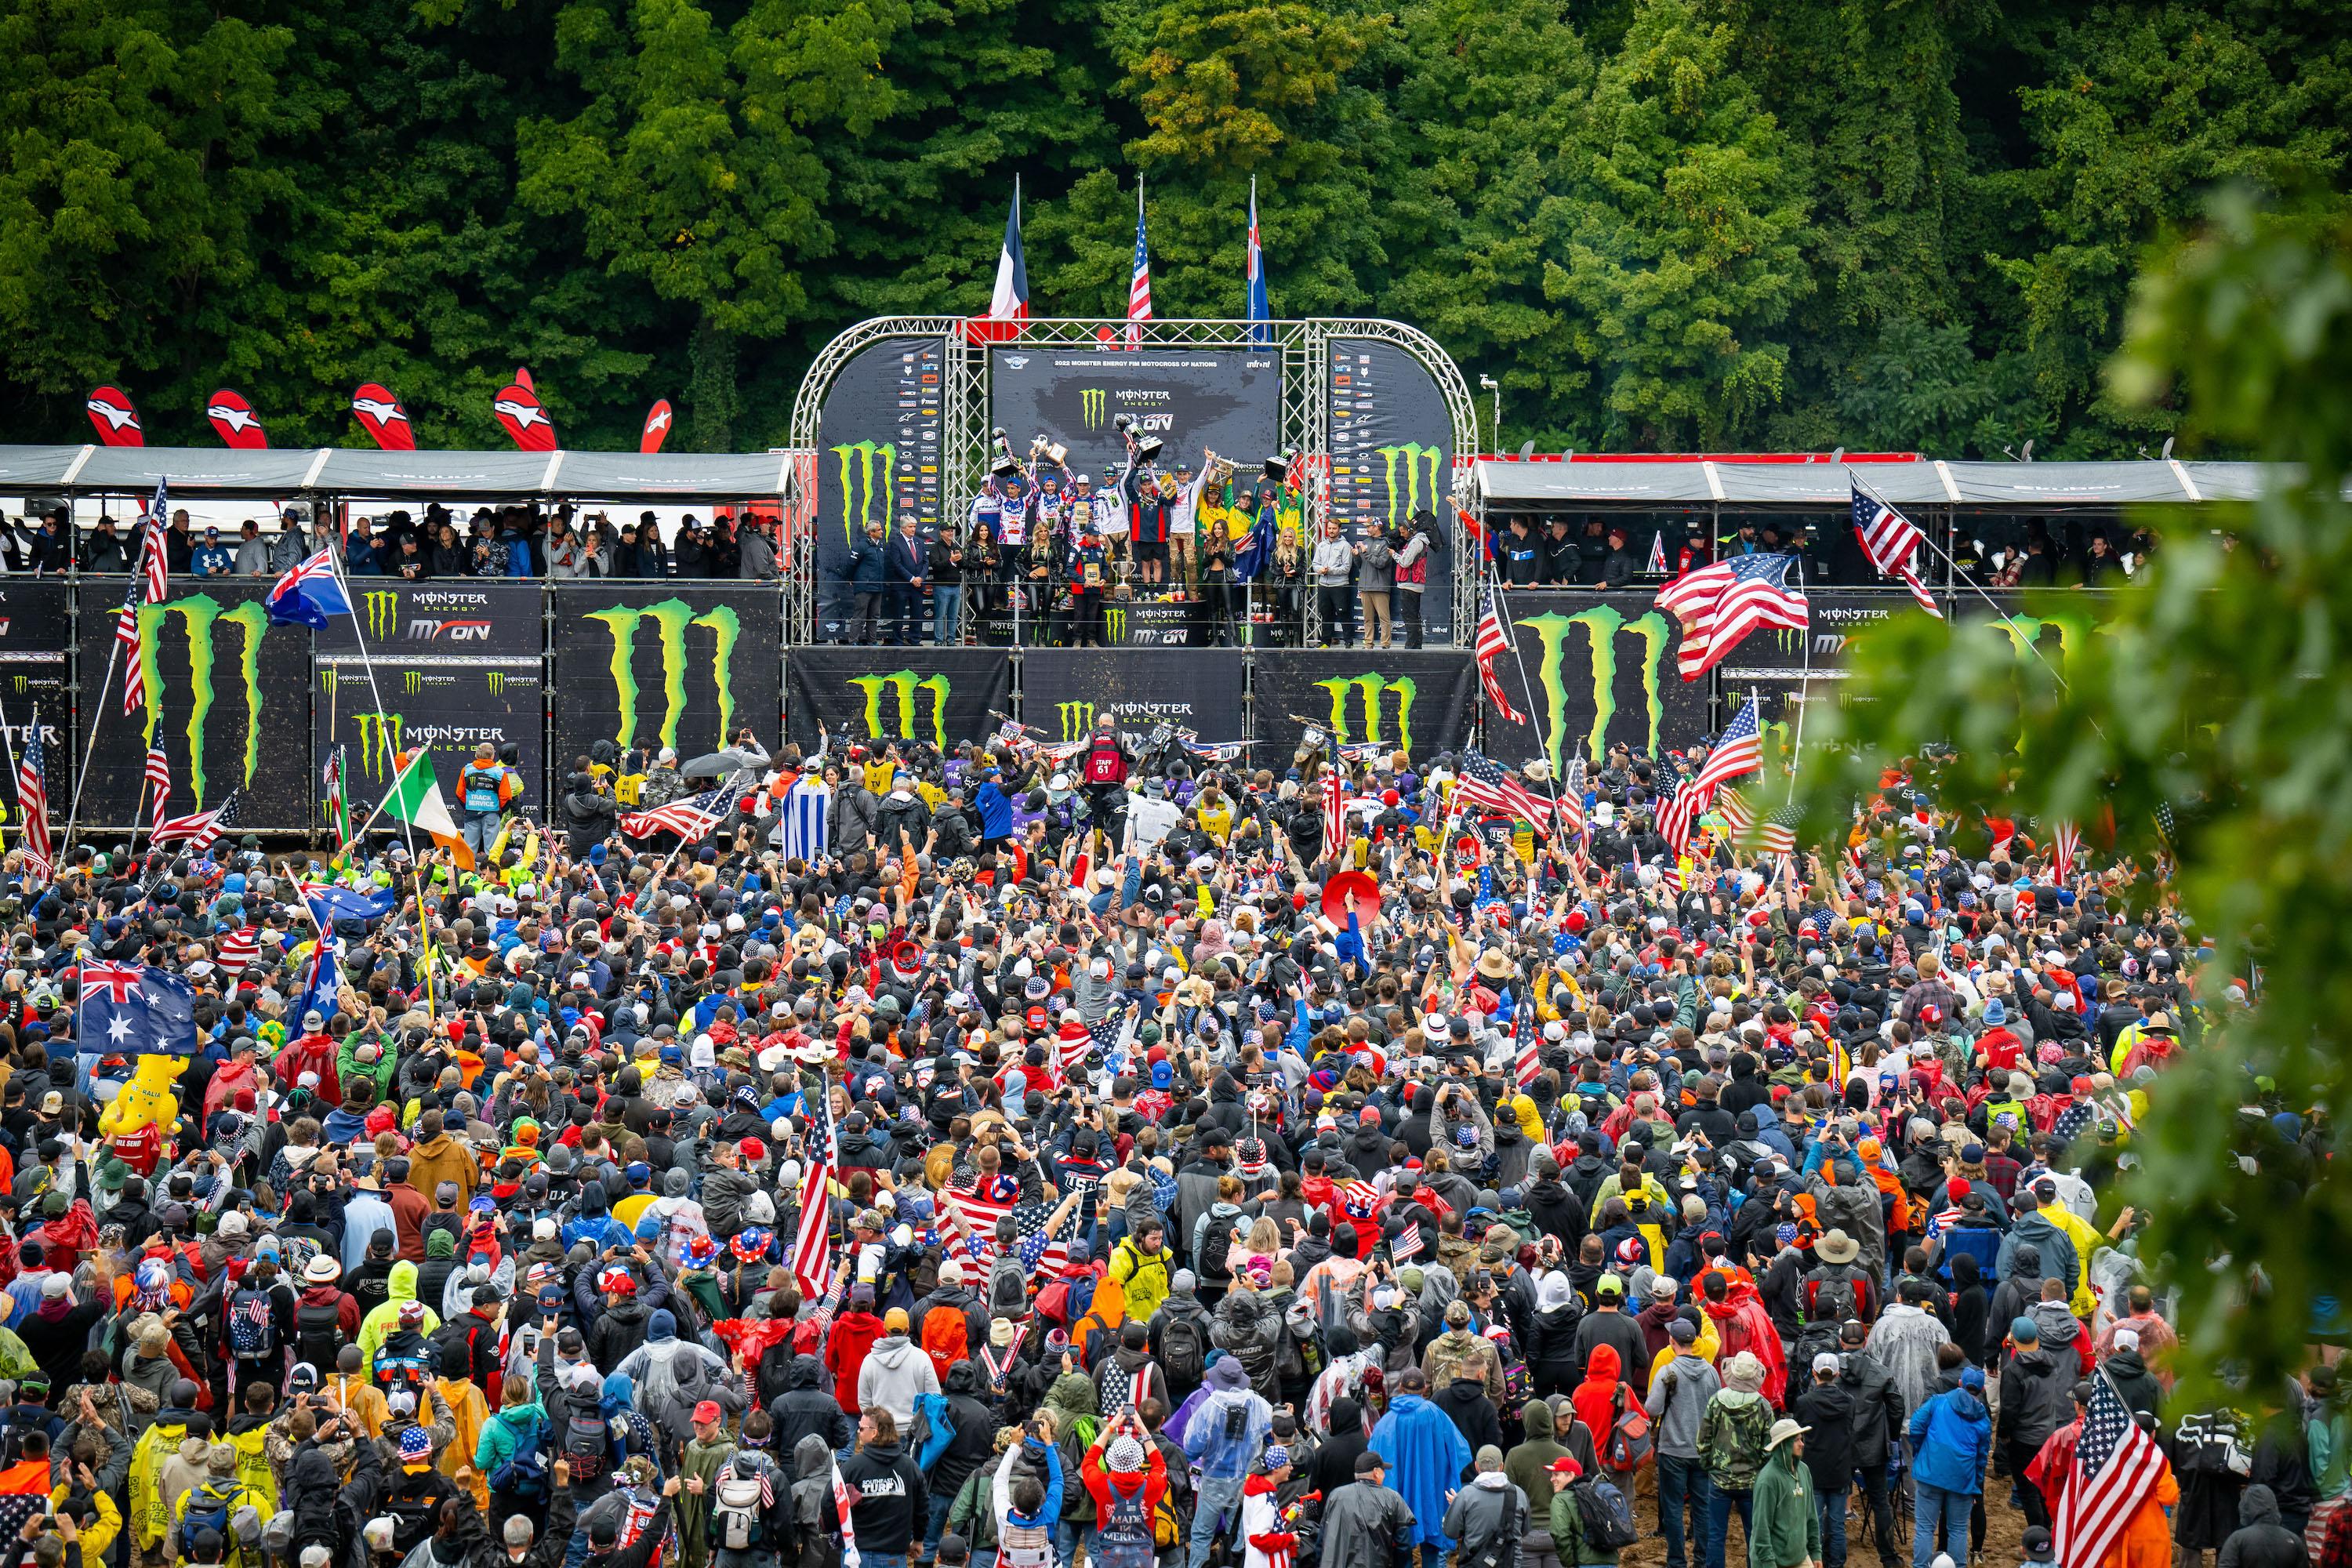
{"x":1010,"y":303}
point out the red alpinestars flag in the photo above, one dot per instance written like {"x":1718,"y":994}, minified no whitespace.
{"x":2066,"y":844}
{"x":159,"y":786}
{"x":32,"y":803}
{"x":234,"y":422}
{"x":1891,"y":543}
{"x":1335,"y":814}
{"x":111,"y":411}
{"x":2117,"y":1464}
{"x":1719,"y":605}
{"x":1494,"y":642}
{"x":1484,"y":784}
{"x":383,"y":417}
{"x":812,"y":1260}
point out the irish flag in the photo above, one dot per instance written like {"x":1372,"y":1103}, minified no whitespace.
{"x":415,"y":799}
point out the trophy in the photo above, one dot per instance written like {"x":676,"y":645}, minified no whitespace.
{"x":1004,"y":465}
{"x":1141,"y":449}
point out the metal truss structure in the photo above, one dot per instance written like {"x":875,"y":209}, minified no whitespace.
{"x":1305,"y":421}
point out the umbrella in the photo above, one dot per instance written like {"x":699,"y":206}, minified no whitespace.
{"x":718,"y":765}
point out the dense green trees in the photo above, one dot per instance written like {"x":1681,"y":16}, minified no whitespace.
{"x":1660,"y":223}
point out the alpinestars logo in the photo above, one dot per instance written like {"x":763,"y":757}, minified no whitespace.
{"x":1403,"y":503}
{"x":201,"y":617}
{"x":1379,"y":724}
{"x":867,"y":468}
{"x":1601,"y":626}
{"x":900,"y":723}
{"x":669,"y":619}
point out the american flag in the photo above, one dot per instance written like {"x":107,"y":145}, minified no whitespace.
{"x":1892,"y":544}
{"x":690,"y":819}
{"x":843,"y":1500}
{"x":1047,"y":1256}
{"x":159,"y":786}
{"x":1739,"y":752}
{"x":2117,"y":1466}
{"x":1675,"y":813}
{"x":32,"y":803}
{"x":1719,"y":605}
{"x":147,"y":586}
{"x":1114,"y":1036}
{"x":1485,"y":784}
{"x":2066,"y":844}
{"x":1571,"y":803}
{"x":1492,"y":643}
{"x":812,"y":1260}
{"x":1335,"y":814}
{"x":153,"y":562}
{"x":1777,"y":834}
{"x":1407,"y":1244}
{"x":1138,"y":286}
{"x":1523,"y":1020}
{"x":200,"y":829}
{"x":237,"y":949}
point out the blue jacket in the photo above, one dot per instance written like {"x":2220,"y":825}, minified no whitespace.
{"x":1952,"y":1437}
{"x":865,"y":567}
{"x":1426,"y":1456}
{"x":995,"y":810}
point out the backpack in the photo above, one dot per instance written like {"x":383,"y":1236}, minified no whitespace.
{"x":317,"y":1335}
{"x":587,"y":1443}
{"x":1629,"y":1435}
{"x":1832,"y":1296}
{"x":931,"y":1431}
{"x":1601,"y":1508}
{"x":947,"y":1338}
{"x":1008,"y":1288}
{"x":209,"y":1508}
{"x":1184,"y":1352}
{"x":524,"y":1473}
{"x":251,"y":1326}
{"x":735,"y":1511}
{"x":1517,"y":1384}
{"x":1216,"y":1248}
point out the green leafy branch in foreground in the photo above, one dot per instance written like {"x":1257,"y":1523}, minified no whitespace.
{"x":2221,"y":686}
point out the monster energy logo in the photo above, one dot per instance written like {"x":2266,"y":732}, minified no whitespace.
{"x":1115,"y":623}
{"x":1372,"y":689}
{"x":1790,"y":641}
{"x":2026,"y":632}
{"x":21,"y":683}
{"x":379,"y":743}
{"x":497,"y":678}
{"x":1092,"y":401}
{"x":199,"y":613}
{"x":877,"y":462}
{"x":1077,"y":719}
{"x":327,"y":674}
{"x":383,"y":613}
{"x":902,"y":685}
{"x":414,"y":679}
{"x":1413,"y":454}
{"x":1601,"y":624}
{"x":669,"y":618}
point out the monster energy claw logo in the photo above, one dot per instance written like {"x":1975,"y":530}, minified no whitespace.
{"x":876,"y":462}
{"x":379,"y":743}
{"x":669,"y":619}
{"x":200,"y":616}
{"x":1372,"y":689}
{"x":414,"y":679}
{"x":902,"y":685}
{"x":1115,"y":623}
{"x":1091,"y":402}
{"x":1077,"y":719}
{"x":497,"y":678}
{"x":1601,"y":624}
{"x":383,"y":613}
{"x":1403,"y":503}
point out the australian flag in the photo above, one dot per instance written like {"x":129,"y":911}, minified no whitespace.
{"x":131,"y":1009}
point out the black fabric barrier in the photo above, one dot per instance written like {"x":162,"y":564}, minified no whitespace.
{"x":1063,"y":692}
{"x":684,"y":665}
{"x":1422,"y":702}
{"x":447,"y":705}
{"x":226,"y":699}
{"x":1600,"y":670}
{"x":36,"y":648}
{"x":941,"y":696}
{"x":455,"y":619}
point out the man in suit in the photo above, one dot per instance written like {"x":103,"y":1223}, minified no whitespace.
{"x":905,"y":565}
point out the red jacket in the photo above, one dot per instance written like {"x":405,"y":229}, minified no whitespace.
{"x":853,"y":1335}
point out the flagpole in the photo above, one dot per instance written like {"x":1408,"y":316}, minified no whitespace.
{"x":11,"y":746}
{"x":1526,"y":688}
{"x":98,"y":717}
{"x":1804,"y":689}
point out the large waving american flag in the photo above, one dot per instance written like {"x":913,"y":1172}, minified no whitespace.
{"x":1487,"y":785}
{"x":1738,"y":753}
{"x":32,"y":803}
{"x":690,"y":819}
{"x":812,"y":1259}
{"x":1044,"y":1256}
{"x":158,"y":788}
{"x":1138,"y":283}
{"x":2066,"y":844}
{"x":2117,"y":1466}
{"x":1719,"y":605}
{"x":1891,"y":543}
{"x":1492,"y":644}
{"x":147,"y":586}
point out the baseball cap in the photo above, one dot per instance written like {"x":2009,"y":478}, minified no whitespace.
{"x":708,"y":1413}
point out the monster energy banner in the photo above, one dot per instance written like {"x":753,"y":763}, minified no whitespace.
{"x":1194,"y":400}
{"x":448,"y":706}
{"x":427,"y":623}
{"x":1063,"y":692}
{"x":36,"y":636}
{"x":939,"y":697}
{"x":225,"y":701}
{"x":1601,"y":670}
{"x":1421,"y":701}
{"x":1393,"y":457}
{"x":685,"y":668}
{"x":879,"y":460}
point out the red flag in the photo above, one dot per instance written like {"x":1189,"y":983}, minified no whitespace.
{"x":524,"y":419}
{"x":118,"y":422}
{"x":234,"y":421}
{"x":658,"y":420}
{"x":382,"y":416}
{"x":522,"y":379}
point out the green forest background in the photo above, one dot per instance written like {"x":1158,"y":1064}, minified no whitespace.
{"x":1661,"y":223}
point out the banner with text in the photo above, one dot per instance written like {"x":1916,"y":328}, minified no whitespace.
{"x":35,"y":638}
{"x":1392,"y":459}
{"x":448,"y":707}
{"x":1194,"y":400}
{"x":1064,"y":692}
{"x":1781,"y":665}
{"x":939,"y":697}
{"x":1601,"y":670}
{"x":1420,"y":702}
{"x":685,"y":668}
{"x":880,"y":459}
{"x":226,"y":700}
